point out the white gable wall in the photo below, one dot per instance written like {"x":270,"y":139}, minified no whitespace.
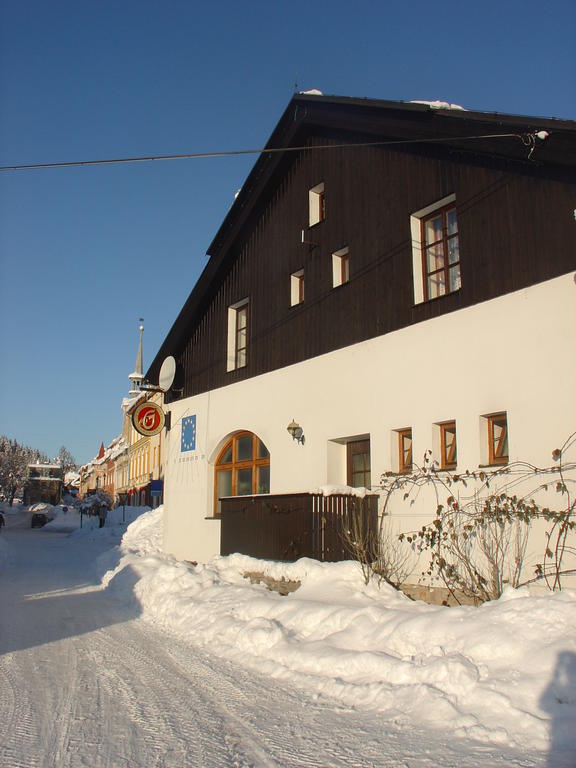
{"x":514,"y":354}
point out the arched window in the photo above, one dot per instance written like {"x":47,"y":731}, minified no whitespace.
{"x":242,"y":468}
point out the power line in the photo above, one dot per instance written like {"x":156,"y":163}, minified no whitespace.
{"x":265,"y":151}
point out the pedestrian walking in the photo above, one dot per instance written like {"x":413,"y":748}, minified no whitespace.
{"x":102,"y":512}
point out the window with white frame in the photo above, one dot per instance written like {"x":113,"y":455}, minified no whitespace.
{"x":340,"y":267}
{"x":297,"y":288}
{"x":435,"y":250}
{"x":316,"y":204}
{"x":237,"y":335}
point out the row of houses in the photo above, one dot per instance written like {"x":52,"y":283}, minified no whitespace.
{"x":130,"y":468}
{"x":394,"y":281}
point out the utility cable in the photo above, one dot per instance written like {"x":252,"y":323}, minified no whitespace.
{"x":527,"y":139}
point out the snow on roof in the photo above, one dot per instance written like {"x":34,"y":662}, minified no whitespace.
{"x":72,"y":478}
{"x":439,"y":105}
{"x":312,"y":92}
{"x":114,"y":449}
{"x":128,"y":402}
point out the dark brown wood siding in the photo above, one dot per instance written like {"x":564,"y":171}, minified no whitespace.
{"x":516,"y":229}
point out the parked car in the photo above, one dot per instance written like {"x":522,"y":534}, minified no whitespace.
{"x":39,"y":519}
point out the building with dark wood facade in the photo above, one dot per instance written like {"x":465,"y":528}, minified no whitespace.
{"x":43,"y":483}
{"x":392,"y":278}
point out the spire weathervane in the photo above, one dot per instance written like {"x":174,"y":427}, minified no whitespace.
{"x":137,"y":377}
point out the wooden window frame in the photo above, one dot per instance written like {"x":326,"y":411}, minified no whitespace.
{"x":321,"y":206}
{"x":297,"y":288}
{"x":236,"y":465}
{"x":445,"y":242}
{"x":448,"y":454}
{"x":340,"y":267}
{"x":237,"y":351}
{"x":404,"y":457}
{"x":316,"y":204}
{"x":239,"y":347}
{"x":345,"y":268}
{"x":350,"y":452}
{"x":496,"y":446}
{"x":301,"y":288}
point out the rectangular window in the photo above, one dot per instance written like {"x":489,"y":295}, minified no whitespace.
{"x":404,"y":451}
{"x":440,"y":253}
{"x":263,"y":485}
{"x":340,"y":267}
{"x":316,"y":204}
{"x":448,"y":452}
{"x":241,"y":336}
{"x":244,"y":481}
{"x":435,"y":250}
{"x":297,"y":288}
{"x":237,"y":335}
{"x":358,"y":455}
{"x":497,"y":438}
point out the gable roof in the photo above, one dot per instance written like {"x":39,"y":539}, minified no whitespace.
{"x":351,"y":121}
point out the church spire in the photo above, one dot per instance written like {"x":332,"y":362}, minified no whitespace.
{"x":137,"y":376}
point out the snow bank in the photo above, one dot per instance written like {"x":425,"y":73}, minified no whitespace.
{"x":501,"y":673}
{"x":84,"y":525}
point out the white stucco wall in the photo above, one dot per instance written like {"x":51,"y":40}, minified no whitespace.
{"x":514,"y":354}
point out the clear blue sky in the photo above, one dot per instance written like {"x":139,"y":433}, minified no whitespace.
{"x":85,"y":252}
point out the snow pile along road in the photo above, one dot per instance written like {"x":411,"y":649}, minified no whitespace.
{"x":503,"y":673}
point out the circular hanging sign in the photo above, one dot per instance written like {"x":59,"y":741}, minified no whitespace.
{"x":148,"y":419}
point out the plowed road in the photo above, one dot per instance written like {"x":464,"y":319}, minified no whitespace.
{"x":84,"y":681}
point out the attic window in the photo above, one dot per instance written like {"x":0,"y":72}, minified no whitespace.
{"x":316,"y":204}
{"x":340,"y":267}
{"x":435,"y":250}
{"x":297,"y":288}
{"x":237,"y":335}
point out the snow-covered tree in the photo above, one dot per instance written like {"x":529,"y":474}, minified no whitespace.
{"x":67,"y":461}
{"x":14,"y":460}
{"x":97,"y":499}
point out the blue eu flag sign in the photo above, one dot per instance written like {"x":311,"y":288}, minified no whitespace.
{"x":188,"y":440}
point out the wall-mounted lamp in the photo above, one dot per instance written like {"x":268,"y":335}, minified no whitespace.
{"x":296,"y":431}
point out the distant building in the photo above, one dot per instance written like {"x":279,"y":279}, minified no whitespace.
{"x":130,"y":468}
{"x":43,"y":484}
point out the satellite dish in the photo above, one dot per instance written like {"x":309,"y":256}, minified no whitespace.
{"x":167,"y":374}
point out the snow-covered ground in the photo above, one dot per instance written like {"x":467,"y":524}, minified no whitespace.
{"x":411,"y":684}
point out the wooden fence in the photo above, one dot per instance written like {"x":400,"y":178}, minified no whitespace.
{"x":290,"y":526}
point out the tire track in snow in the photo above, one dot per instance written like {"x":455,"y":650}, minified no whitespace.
{"x":131,"y":718}
{"x":64,"y":707}
{"x":160,"y":702}
{"x":257,"y":728}
{"x":19,"y":726}
{"x":91,"y":686}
